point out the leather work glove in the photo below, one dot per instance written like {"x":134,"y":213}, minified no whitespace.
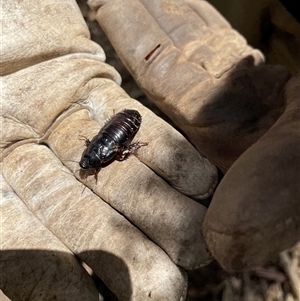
{"x":137,"y":227}
{"x":240,"y":113}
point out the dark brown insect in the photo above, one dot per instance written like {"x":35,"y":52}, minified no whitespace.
{"x":113,"y":141}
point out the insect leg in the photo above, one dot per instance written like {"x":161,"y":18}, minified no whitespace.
{"x":96,"y":174}
{"x":135,"y":146}
{"x":126,"y":151}
{"x":86,"y":140}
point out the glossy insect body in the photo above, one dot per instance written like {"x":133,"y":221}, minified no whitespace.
{"x":112,"y":141}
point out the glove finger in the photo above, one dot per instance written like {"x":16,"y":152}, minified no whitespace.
{"x":223,"y":46}
{"x":35,"y":264}
{"x":181,"y":24}
{"x":42,"y":38}
{"x":21,"y":115}
{"x":115,"y":250}
{"x":193,"y":27}
{"x":215,"y":47}
{"x":208,"y":14}
{"x":169,"y":218}
{"x":260,"y":195}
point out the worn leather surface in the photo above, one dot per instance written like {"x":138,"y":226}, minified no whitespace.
{"x":30,"y":261}
{"x":233,"y":108}
{"x":131,"y":228}
{"x":245,"y":228}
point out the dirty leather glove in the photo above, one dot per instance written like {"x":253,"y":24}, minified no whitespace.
{"x":136,"y":228}
{"x":238,"y":112}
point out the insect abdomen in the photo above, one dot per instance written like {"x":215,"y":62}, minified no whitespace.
{"x":122,"y":126}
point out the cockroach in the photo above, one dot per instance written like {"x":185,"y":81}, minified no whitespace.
{"x":113,"y":142}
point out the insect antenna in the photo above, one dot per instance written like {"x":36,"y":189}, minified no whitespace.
{"x":80,"y":175}
{"x":86,"y":140}
{"x":78,"y":170}
{"x":84,"y":184}
{"x":70,"y":161}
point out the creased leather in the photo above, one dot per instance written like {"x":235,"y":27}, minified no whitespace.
{"x":55,"y":86}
